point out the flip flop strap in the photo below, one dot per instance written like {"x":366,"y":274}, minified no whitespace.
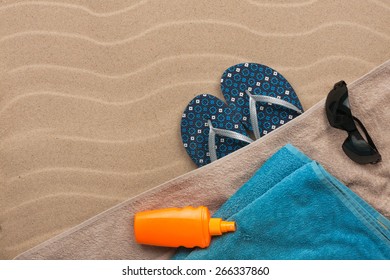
{"x":225,"y":133}
{"x":266,"y":99}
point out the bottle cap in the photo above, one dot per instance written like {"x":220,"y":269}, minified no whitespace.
{"x":217,"y":226}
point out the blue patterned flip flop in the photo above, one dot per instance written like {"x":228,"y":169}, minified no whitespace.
{"x":210,"y":130}
{"x":262,"y":97}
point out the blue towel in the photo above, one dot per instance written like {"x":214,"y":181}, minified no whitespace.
{"x":292,"y":208}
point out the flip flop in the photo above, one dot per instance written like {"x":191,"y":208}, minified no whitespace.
{"x":262,"y":97}
{"x":210,"y":130}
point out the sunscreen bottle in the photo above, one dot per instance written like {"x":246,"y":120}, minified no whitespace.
{"x":174,"y":227}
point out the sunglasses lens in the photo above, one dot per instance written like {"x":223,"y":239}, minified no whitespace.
{"x":337,"y":108}
{"x":357,"y":149}
{"x":334,"y":102}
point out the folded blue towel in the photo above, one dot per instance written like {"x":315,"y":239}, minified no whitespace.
{"x":292,"y":208}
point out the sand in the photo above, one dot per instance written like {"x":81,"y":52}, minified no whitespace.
{"x":91,"y":92}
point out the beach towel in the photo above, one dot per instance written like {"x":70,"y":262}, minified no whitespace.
{"x":300,"y":212}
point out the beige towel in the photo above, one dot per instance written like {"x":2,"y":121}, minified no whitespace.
{"x":109,"y":235}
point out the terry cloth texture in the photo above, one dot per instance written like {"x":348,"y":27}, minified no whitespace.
{"x":109,"y":235}
{"x":292,"y":208}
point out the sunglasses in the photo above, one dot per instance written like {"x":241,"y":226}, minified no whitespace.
{"x":340,"y":116}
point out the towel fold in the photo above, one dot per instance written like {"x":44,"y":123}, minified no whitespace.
{"x":292,"y":208}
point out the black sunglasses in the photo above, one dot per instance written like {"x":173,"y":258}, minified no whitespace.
{"x":340,"y":116}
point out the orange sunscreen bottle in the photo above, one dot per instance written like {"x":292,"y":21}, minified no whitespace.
{"x":174,"y":227}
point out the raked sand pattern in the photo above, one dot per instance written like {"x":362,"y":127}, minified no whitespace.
{"x":91,"y":92}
